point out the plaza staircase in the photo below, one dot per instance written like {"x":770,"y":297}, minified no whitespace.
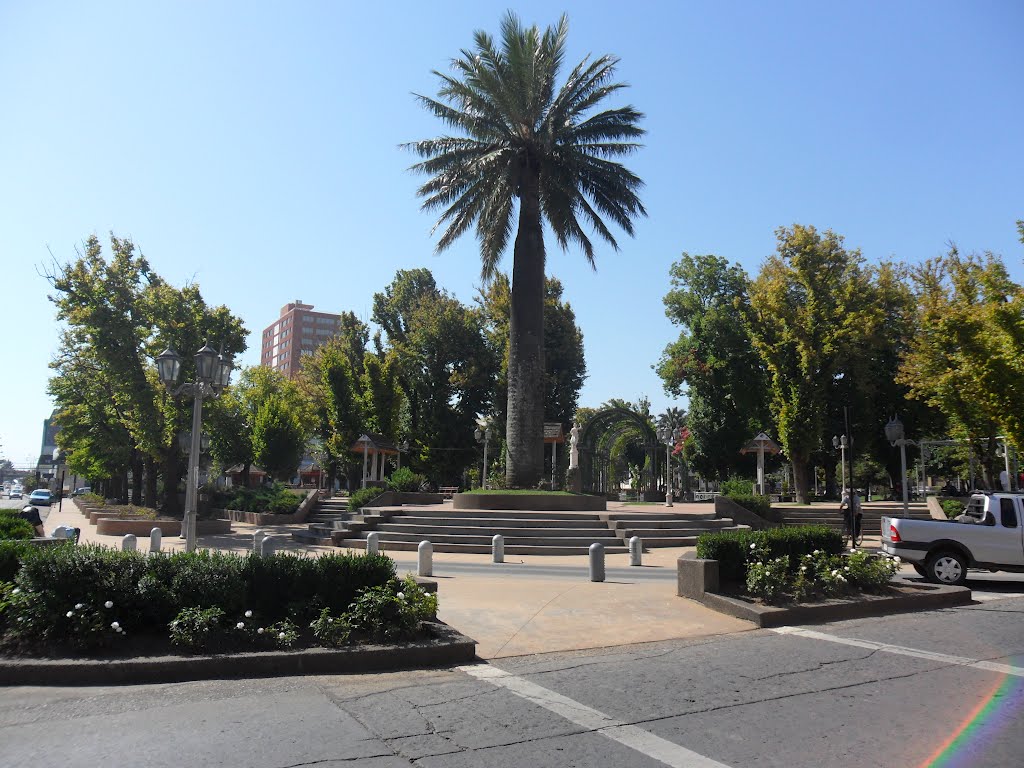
{"x":873,"y":512}
{"x":329,"y":516}
{"x":524,"y":532}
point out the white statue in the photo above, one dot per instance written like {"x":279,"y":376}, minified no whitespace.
{"x":574,"y":451}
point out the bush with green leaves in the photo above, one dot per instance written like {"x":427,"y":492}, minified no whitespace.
{"x":404,"y":480}
{"x":732,"y":549}
{"x":149,"y":592}
{"x":13,"y":527}
{"x":384,"y":613}
{"x":362,"y":497}
{"x":737,"y":486}
{"x":273,"y":499}
{"x":768,"y":579}
{"x":952,"y":507}
{"x":869,"y":572}
{"x":197,"y":628}
{"x":331,"y":631}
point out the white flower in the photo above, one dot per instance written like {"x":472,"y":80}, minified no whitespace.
{"x":108,"y":604}
{"x":835,"y":573}
{"x":753,"y":546}
{"x":803,"y":567}
{"x":240,"y":625}
{"x":400,"y":595}
{"x":281,"y":636}
{"x":840,"y":578}
{"x":69,"y":614}
{"x":816,"y":552}
{"x":897,"y":559}
{"x":16,"y":591}
{"x":79,"y":607}
{"x":118,"y":629}
{"x":248,"y":614}
{"x":115,"y":626}
{"x":259,"y":631}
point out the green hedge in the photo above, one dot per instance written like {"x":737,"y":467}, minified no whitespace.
{"x":272,"y":500}
{"x":759,"y":505}
{"x":362,"y":497}
{"x":12,"y":552}
{"x":147,"y":592}
{"x":14,"y":527}
{"x":404,"y":480}
{"x":732,"y":548}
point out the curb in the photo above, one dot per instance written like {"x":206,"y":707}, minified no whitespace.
{"x":929,"y":597}
{"x":448,"y":647}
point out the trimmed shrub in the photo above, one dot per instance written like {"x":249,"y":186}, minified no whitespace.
{"x":274,"y":499}
{"x":759,"y":505}
{"x":362,"y":497}
{"x":952,"y":507}
{"x":12,"y":552}
{"x":732,"y":549}
{"x":737,"y":486}
{"x":404,"y":480}
{"x":14,"y":527}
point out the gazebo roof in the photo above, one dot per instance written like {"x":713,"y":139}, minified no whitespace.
{"x":374,"y":444}
{"x":761,"y":442}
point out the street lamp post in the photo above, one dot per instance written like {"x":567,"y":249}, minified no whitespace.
{"x":213,"y":374}
{"x":840,"y":443}
{"x":894,"y":434}
{"x":667,"y":435}
{"x":483,"y":435}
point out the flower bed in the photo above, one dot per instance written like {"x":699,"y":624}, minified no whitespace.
{"x":67,"y":601}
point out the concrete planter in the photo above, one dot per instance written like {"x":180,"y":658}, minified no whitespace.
{"x":260,"y":518}
{"x":546,"y":502}
{"x":698,"y":580}
{"x":726,"y":507}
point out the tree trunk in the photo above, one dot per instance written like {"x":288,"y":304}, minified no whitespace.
{"x":802,"y":480}
{"x":136,"y":478}
{"x":245,"y":474}
{"x":150,"y":489}
{"x":524,"y":425}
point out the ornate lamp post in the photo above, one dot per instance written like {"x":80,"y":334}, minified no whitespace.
{"x":894,"y":434}
{"x":483,"y":435}
{"x":667,"y":435}
{"x":213,"y":374}
{"x":840,"y":443}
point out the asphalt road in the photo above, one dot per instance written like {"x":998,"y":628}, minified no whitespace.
{"x":892,"y":691}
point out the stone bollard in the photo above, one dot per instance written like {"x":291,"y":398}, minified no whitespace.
{"x":129,"y":543}
{"x":668,"y":498}
{"x":373,"y":543}
{"x":267,"y":546}
{"x":498,"y":548}
{"x":636,"y":549}
{"x":596,"y":562}
{"x":257,"y":541}
{"x":425,"y":555}
{"x":155,"y":538}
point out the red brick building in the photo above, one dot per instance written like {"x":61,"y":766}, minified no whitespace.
{"x":297,"y":332}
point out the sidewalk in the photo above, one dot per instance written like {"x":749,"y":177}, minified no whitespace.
{"x":510,"y":614}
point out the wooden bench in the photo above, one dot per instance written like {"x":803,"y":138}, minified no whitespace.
{"x":448,"y":490}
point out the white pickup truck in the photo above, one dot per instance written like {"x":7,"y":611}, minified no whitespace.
{"x":988,"y":535}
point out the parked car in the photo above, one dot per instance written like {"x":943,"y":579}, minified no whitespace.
{"x":40,"y":496}
{"x":988,"y":535}
{"x":81,"y":491}
{"x":14,"y":493}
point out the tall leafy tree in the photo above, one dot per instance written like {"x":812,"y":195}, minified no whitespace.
{"x":713,"y":362}
{"x":522,"y":137}
{"x":965,"y":357}
{"x":811,"y":307}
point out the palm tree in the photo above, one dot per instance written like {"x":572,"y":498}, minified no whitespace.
{"x":521,"y":137}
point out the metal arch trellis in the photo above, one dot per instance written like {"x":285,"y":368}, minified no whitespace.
{"x":595,"y":436}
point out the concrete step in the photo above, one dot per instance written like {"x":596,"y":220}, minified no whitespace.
{"x":676,"y":524}
{"x":497,"y":522}
{"x":488,"y":514}
{"x":529,"y":549}
{"x":436,"y":537}
{"x":662,"y":534}
{"x":660,"y":516}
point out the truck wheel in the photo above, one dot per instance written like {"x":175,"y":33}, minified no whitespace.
{"x":946,"y":567}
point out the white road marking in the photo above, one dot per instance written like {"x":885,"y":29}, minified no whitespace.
{"x":944,"y":658}
{"x":635,"y":738}
{"x":985,"y":597}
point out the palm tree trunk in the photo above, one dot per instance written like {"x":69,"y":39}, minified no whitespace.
{"x":525,"y":419}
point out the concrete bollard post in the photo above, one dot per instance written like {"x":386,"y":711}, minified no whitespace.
{"x":668,"y":498}
{"x":129,"y":543}
{"x":498,"y":548}
{"x":636,"y":548}
{"x":257,"y":541}
{"x":373,"y":543}
{"x":425,"y":556}
{"x":267,"y":546}
{"x":596,"y":562}
{"x":155,"y":539}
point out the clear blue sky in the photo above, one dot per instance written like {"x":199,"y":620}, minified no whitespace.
{"x":253,"y":147}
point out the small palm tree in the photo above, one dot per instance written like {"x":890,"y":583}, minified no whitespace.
{"x":522,"y":137}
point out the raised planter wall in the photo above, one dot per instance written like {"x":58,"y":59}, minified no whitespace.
{"x":726,"y":507}
{"x":259,"y":518}
{"x":540,"y":502}
{"x":119,"y":526}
